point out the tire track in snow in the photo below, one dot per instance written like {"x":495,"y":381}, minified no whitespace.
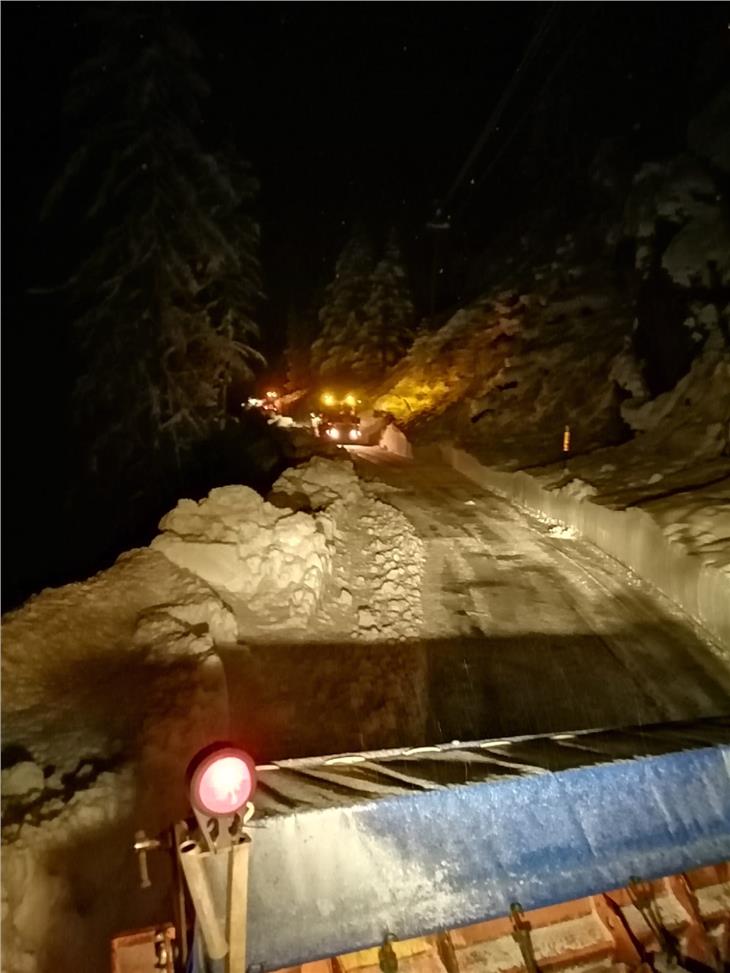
{"x":511,"y":610}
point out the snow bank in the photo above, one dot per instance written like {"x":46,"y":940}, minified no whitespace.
{"x":68,"y":836}
{"x":372,"y":425}
{"x":86,"y":623}
{"x":109,"y":688}
{"x":698,"y":520}
{"x":56,"y":882}
{"x":269,"y":560}
{"x":631,"y":536}
{"x":395,"y":441}
{"x":321,"y":481}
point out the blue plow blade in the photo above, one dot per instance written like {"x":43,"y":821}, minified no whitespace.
{"x":327,"y":880}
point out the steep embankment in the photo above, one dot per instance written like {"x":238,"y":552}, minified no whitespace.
{"x":505,"y":375}
{"x":615,"y":325}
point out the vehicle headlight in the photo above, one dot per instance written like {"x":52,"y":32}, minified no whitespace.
{"x":333,"y":433}
{"x":354,"y":434}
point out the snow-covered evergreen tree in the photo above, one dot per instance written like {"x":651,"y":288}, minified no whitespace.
{"x":302,"y":328}
{"x":368,"y":316}
{"x":164,"y":296}
{"x":389,"y":311}
{"x":343,"y":313}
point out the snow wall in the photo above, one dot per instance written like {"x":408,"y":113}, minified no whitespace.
{"x":395,"y":441}
{"x":631,"y":536}
{"x":268,"y":561}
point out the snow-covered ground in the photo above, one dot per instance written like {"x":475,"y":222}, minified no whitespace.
{"x":400,"y":606}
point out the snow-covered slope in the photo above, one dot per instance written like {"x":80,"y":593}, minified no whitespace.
{"x":506,"y":374}
{"x":110,"y":686}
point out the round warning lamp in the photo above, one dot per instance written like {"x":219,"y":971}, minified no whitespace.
{"x":222,"y":781}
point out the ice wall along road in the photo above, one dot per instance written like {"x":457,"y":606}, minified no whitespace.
{"x":529,"y":629}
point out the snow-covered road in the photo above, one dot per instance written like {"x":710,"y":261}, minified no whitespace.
{"x":525,"y":629}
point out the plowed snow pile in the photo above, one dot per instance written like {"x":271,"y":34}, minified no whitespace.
{"x":111,"y":685}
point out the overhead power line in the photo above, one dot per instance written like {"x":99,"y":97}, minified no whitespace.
{"x":509,"y":139}
{"x":530,"y":53}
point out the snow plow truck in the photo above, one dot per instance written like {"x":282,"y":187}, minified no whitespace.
{"x":337,"y":420}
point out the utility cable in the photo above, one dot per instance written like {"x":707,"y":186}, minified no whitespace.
{"x":525,"y":114}
{"x":537,"y":39}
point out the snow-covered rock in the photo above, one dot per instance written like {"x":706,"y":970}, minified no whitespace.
{"x":578,"y":489}
{"x":692,"y":419}
{"x":627,"y":373}
{"x":322,"y":481}
{"x":22,"y":779}
{"x":93,"y":622}
{"x":699,"y":255}
{"x":683,"y":195}
{"x":507,"y":373}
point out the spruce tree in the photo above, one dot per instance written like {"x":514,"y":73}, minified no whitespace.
{"x":163,"y":298}
{"x":343,"y":313}
{"x":302,"y":328}
{"x":389,"y":312}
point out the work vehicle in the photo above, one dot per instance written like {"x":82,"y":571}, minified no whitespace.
{"x":337,"y":419}
{"x":269,"y":404}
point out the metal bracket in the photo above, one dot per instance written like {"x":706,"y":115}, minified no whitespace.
{"x":447,"y":953}
{"x":387,"y":960}
{"x":521,"y":935}
{"x":143,"y":845}
{"x":642,"y":897}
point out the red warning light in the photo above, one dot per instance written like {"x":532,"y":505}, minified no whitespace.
{"x":222,"y":781}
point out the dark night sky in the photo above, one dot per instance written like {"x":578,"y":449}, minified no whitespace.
{"x":342,"y":108}
{"x":345,"y":109}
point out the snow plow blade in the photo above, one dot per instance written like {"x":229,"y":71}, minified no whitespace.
{"x":683,"y":920}
{"x":351,"y":849}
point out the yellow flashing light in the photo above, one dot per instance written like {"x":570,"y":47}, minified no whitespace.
{"x":328,"y":398}
{"x":272,"y":395}
{"x":350,"y":400}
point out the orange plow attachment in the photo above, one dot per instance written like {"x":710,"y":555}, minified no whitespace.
{"x":679,"y":922}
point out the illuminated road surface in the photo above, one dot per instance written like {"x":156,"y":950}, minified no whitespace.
{"x":525,"y":631}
